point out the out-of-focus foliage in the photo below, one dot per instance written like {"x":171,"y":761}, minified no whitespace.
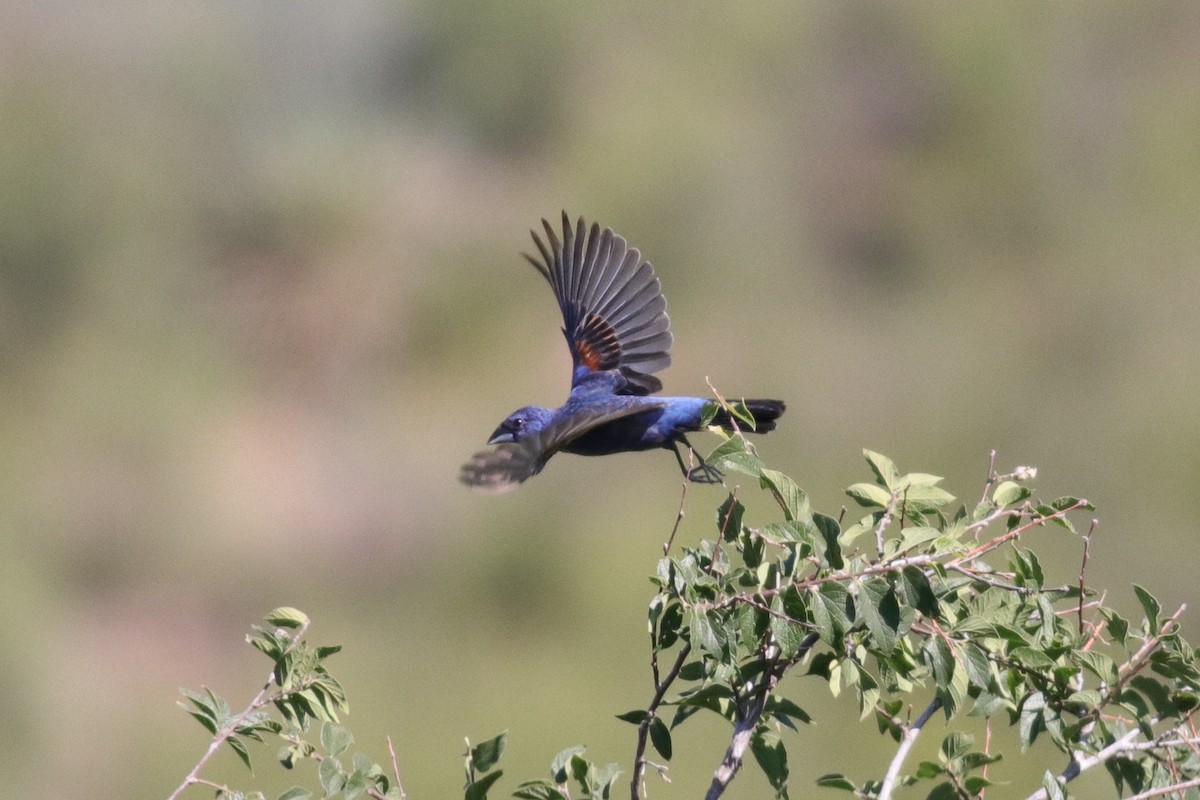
{"x":260,"y":295}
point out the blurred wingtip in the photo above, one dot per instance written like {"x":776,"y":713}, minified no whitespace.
{"x":492,"y":471}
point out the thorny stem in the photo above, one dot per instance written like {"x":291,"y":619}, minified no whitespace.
{"x":224,"y":733}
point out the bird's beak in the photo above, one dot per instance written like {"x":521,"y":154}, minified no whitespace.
{"x":500,"y":436}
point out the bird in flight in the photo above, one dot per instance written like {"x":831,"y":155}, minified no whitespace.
{"x":616,"y":325}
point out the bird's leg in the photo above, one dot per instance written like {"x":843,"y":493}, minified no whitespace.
{"x":699,"y":474}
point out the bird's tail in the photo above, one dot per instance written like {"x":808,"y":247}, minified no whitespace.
{"x":765,"y":413}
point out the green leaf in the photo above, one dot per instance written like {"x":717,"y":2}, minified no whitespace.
{"x":829,"y":530}
{"x":956,"y":745}
{"x":1150,"y":605}
{"x":883,"y":467}
{"x":479,"y":789}
{"x":1054,"y":789}
{"x":485,"y":754}
{"x":660,"y":737}
{"x":975,"y":661}
{"x":772,"y":757}
{"x":713,"y":697}
{"x":784,"y":709}
{"x":916,"y":591}
{"x":335,"y":738}
{"x":780,"y":532}
{"x":329,"y":771}
{"x":835,"y":780}
{"x":703,"y":635}
{"x":202,"y":711}
{"x":1031,"y":721}
{"x":296,"y":793}
{"x":732,"y":454}
{"x":925,"y":498}
{"x":790,"y":496}
{"x":1116,"y":625}
{"x":940,"y":660}
{"x":870,"y":495}
{"x":788,"y":635}
{"x":729,"y":519}
{"x":558,"y":767}
{"x":1031,"y":659}
{"x":541,"y":789}
{"x":286,"y":617}
{"x":916,"y":536}
{"x":239,"y":747}
{"x":830,"y":611}
{"x":1098,"y":664}
{"x":637,"y":716}
{"x":881,"y":611}
{"x":1009,"y":492}
{"x":1158,"y":694}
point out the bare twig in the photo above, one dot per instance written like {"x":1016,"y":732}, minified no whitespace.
{"x":636,"y":786}
{"x":884,"y":522}
{"x":678,"y":517}
{"x":906,"y":743}
{"x":1178,"y":787}
{"x":396,"y":769}
{"x":1080,"y":765}
{"x":991,"y":478}
{"x":1087,"y":546}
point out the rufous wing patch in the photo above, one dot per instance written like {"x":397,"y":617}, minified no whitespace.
{"x":596,"y":344}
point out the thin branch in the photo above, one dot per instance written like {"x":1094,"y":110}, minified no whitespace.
{"x":396,"y":769}
{"x":660,"y":691}
{"x":1178,"y":787}
{"x":906,"y":744}
{"x":1087,"y":546}
{"x":1079,"y":765}
{"x":991,"y":478}
{"x":884,"y":522}
{"x":226,"y":732}
{"x":1016,"y":532}
{"x":1135,"y":663}
{"x":678,"y":517}
{"x":749,"y":712}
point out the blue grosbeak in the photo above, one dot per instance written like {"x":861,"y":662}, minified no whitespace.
{"x":616,"y":325}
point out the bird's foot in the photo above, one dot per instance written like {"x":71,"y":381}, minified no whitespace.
{"x":705,"y":474}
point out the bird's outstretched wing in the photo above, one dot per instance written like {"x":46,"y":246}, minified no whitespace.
{"x":505,"y":467}
{"x":614,"y":313}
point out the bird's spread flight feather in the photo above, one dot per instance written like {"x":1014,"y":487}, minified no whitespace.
{"x":614,"y":313}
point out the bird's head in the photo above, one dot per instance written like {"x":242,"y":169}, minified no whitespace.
{"x":523,"y":422}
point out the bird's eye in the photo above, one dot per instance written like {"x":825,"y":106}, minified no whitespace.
{"x":518,"y":423}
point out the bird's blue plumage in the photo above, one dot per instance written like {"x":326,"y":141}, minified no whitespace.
{"x":618,"y":333}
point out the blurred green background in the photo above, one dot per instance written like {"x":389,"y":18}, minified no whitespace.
{"x":260,"y":296}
